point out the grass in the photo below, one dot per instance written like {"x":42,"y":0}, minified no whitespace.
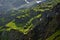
{"x":29,"y":25}
{"x":54,"y":35}
{"x":12,"y":25}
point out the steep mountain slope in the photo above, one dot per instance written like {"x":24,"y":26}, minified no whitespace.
{"x":35,"y":23}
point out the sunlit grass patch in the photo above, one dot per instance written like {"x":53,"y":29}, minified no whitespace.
{"x":54,"y":35}
{"x":12,"y":25}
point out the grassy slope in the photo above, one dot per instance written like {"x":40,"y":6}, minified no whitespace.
{"x":41,"y":7}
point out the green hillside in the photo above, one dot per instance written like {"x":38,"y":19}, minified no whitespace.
{"x":40,"y":22}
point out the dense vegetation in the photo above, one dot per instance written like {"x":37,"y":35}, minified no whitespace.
{"x":36,"y":23}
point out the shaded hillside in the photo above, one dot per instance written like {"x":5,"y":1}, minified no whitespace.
{"x":41,"y":22}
